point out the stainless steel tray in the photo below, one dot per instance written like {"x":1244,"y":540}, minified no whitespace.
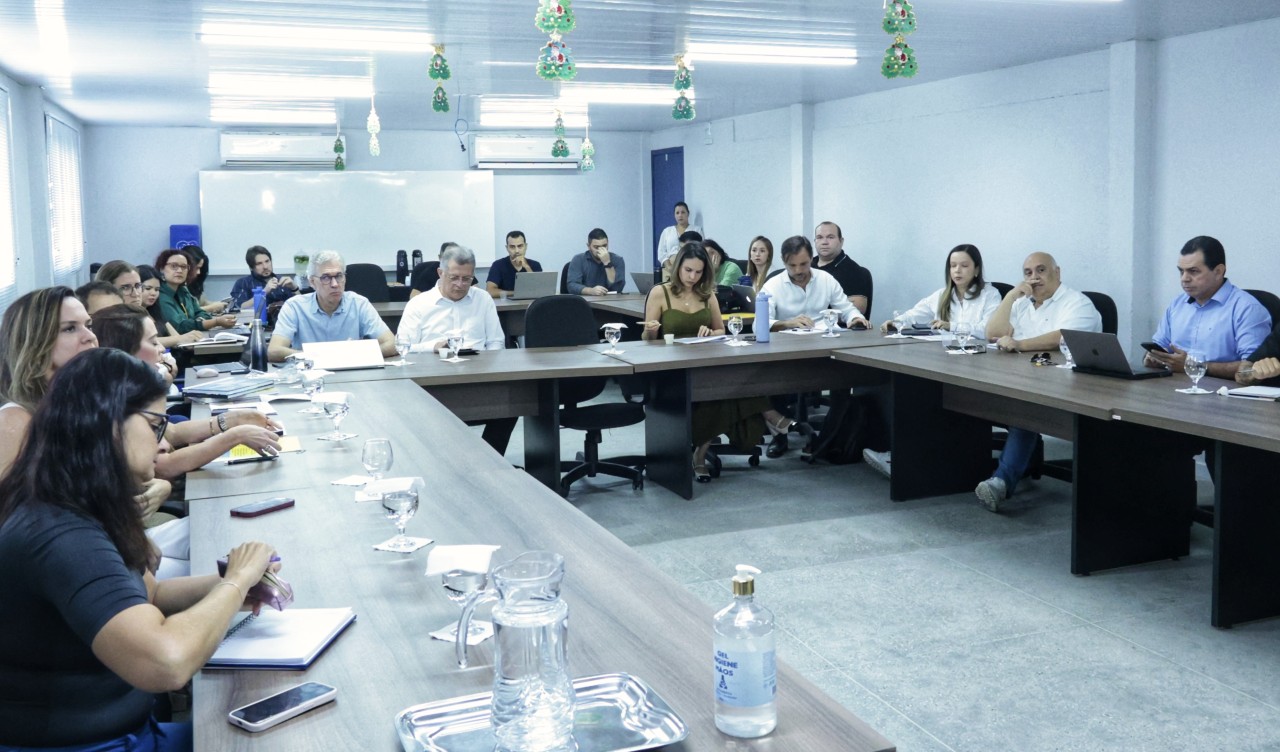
{"x":613,"y":713}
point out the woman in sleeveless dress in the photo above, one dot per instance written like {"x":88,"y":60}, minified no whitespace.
{"x":686,"y":306}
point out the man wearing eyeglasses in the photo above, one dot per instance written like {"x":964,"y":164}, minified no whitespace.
{"x":1030,"y":319}
{"x":455,"y":305}
{"x":330,"y":314}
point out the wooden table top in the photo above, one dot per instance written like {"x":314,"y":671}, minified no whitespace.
{"x":427,"y":369}
{"x":626,"y":615}
{"x":656,"y":355}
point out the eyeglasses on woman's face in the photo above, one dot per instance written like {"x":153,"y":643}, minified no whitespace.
{"x":177,"y":266}
{"x":135,"y":289}
{"x":160,"y":422}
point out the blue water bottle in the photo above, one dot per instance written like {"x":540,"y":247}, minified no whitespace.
{"x":260,"y":304}
{"x":761,"y":324}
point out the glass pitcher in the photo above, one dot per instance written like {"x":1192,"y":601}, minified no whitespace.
{"x":532,"y":694}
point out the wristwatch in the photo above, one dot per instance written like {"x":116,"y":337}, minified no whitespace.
{"x":608,"y":265}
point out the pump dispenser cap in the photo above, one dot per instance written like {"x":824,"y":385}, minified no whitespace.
{"x":744,"y":582}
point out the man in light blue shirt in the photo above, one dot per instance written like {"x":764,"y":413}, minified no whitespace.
{"x":330,"y":314}
{"x":1212,"y":317}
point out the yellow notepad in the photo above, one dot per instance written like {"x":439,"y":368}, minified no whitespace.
{"x":244,"y":451}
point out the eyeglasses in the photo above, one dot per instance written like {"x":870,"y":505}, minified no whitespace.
{"x":1041,"y":359}
{"x":332,"y":279}
{"x":126,"y":289}
{"x":176,"y":266}
{"x":157,"y":427}
{"x":459,"y":280}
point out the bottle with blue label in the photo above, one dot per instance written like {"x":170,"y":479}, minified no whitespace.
{"x":745,"y":662}
{"x":260,"y":304}
{"x":761,"y":325}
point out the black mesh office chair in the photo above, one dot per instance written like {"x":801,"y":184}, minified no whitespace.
{"x":424,"y":276}
{"x":564,"y":280}
{"x":370,"y":281}
{"x":1106,"y":309}
{"x":567,"y":321}
{"x":1002,"y":287}
{"x":1270,"y":302}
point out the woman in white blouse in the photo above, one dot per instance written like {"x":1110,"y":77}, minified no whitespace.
{"x":949,"y":306}
{"x":669,"y":240}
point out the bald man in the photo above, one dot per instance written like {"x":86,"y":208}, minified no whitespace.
{"x":1031,"y":319}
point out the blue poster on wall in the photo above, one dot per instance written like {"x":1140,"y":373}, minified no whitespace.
{"x":181,"y":236}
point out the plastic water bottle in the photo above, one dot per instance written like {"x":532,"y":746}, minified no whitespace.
{"x":257,"y":346}
{"x":761,"y":325}
{"x":745,"y":662}
{"x":260,"y":304}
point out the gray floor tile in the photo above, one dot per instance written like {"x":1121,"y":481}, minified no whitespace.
{"x":906,"y":735}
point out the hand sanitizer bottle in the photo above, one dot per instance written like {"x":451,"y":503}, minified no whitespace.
{"x":745,"y":662}
{"x":761,"y":324}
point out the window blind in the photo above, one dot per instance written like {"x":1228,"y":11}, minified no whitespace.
{"x":8,"y":239}
{"x":66,"y":221}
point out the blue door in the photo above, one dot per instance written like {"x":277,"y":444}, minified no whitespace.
{"x":667,"y":173}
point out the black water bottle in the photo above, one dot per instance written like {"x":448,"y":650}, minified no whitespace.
{"x":402,"y":266}
{"x":417,"y":258}
{"x":257,"y":347}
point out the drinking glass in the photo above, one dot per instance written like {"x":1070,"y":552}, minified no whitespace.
{"x":402,"y":349}
{"x":613,"y":334}
{"x":963,"y":334}
{"x":899,"y":323}
{"x":458,"y":587}
{"x":735,"y":328}
{"x":337,"y":410}
{"x":829,"y":322}
{"x":377,"y":457}
{"x":399,"y":507}
{"x":1066,"y":353}
{"x":1195,"y":366}
{"x":454,"y":343}
{"x":312,"y":384}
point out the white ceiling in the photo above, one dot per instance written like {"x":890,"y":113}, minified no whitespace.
{"x":143,"y":61}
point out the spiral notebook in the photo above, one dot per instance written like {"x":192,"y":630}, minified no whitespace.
{"x":290,"y":639}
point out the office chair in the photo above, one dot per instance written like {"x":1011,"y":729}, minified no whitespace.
{"x":370,"y":281}
{"x":1106,"y":309}
{"x":1002,"y":287}
{"x":567,"y":321}
{"x":424,"y":276}
{"x":564,"y":279}
{"x":1270,"y":302}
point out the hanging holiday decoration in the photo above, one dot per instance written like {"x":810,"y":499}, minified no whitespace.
{"x":588,"y":162}
{"x":374,"y":126}
{"x":899,"y":59}
{"x":559,"y":148}
{"x":555,"y":17}
{"x":555,"y":61}
{"x":338,"y":148}
{"x":683,"y":108}
{"x":439,"y":72}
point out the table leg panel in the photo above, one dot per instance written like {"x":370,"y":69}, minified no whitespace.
{"x":542,"y":437}
{"x":1246,"y":557}
{"x":668,"y":431}
{"x":935,"y":451}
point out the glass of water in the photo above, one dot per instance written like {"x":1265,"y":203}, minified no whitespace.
{"x":612,"y":334}
{"x":459,"y":585}
{"x":454,"y":343}
{"x":963,"y":333}
{"x":337,"y":408}
{"x":377,"y":457}
{"x":402,"y":349}
{"x":899,"y":323}
{"x":1066,"y":353}
{"x":735,"y":328}
{"x":1195,"y":366}
{"x":399,"y":507}
{"x":312,"y":384}
{"x":829,"y":317}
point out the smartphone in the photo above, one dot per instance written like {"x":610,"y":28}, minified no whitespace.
{"x":258,"y":508}
{"x":467,"y":351}
{"x":1153,"y":347}
{"x":280,"y":707}
{"x":259,"y":458}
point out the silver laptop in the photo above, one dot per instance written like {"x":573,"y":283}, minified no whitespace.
{"x":643,"y":280}
{"x":1100,"y":353}
{"x":530,"y":285}
{"x":347,"y":355}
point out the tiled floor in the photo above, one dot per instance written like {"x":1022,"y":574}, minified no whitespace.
{"x":947,"y":627}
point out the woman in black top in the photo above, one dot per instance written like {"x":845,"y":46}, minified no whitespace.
{"x":88,"y":633}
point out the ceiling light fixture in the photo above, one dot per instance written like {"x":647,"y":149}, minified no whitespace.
{"x":55,"y":49}
{"x":616,"y":94}
{"x":240,"y":34}
{"x":773,"y":54}
{"x":585,"y":66}
{"x":290,"y":87}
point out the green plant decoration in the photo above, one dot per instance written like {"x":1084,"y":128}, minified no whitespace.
{"x":683,"y":84}
{"x":439,"y":68}
{"x":338,"y":148}
{"x":899,"y":18}
{"x":683,"y":109}
{"x":555,"y":61}
{"x":588,"y":163}
{"x":899,"y":60}
{"x":440,"y":100}
{"x":559,"y":148}
{"x":555,"y":17}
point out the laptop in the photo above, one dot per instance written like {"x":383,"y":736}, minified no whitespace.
{"x":347,"y":355}
{"x":1100,"y":353}
{"x":530,"y":285}
{"x":643,"y":280}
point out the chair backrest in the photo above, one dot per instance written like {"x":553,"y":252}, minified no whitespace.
{"x":369,"y":280}
{"x":564,"y":321}
{"x":424,"y":276}
{"x":1270,"y":302}
{"x":564,"y":279}
{"x":871,"y":288}
{"x":1002,"y":287}
{"x":1106,"y":309}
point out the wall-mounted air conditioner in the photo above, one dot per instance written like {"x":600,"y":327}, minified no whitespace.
{"x":278,"y":151}
{"x":498,"y":152}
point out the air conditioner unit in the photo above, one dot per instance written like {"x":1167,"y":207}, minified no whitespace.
{"x":496,"y":152}
{"x":277,"y":151}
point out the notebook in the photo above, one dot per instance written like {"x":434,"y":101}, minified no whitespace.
{"x":290,"y":639}
{"x":530,"y":285}
{"x":644,"y":281}
{"x":227,"y":387}
{"x":1100,"y":353}
{"x":347,"y":355}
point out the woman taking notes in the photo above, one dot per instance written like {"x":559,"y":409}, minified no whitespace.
{"x":964,"y":298}
{"x":89,"y":634}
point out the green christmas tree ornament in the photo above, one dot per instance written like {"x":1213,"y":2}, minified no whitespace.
{"x":560,"y":148}
{"x":684,"y":79}
{"x":555,"y":17}
{"x":559,"y":124}
{"x":338,"y":164}
{"x":439,"y":68}
{"x":555,"y":61}
{"x":338,"y":148}
{"x":440,"y":100}
{"x":683,"y":109}
{"x":587,"y":164}
{"x":899,"y":60}
{"x":899,"y":18}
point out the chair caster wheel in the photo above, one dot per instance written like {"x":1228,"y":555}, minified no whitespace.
{"x":714,"y":464}
{"x":754,"y":460}
{"x":637,"y":484}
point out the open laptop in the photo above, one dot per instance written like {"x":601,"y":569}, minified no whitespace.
{"x":530,"y":285}
{"x":1100,"y":353}
{"x":643,"y":280}
{"x":347,"y":355}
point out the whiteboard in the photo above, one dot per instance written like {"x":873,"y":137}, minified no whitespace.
{"x":365,"y":216}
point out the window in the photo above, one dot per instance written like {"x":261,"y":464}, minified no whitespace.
{"x":66,"y":223}
{"x":8,"y":243}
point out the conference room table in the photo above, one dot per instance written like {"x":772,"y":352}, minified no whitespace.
{"x":626,"y":616}
{"x":622,"y":307}
{"x":1133,"y":441}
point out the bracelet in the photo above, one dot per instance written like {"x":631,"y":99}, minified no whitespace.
{"x":211,"y":431}
{"x":239,"y":589}
{"x":222,"y":422}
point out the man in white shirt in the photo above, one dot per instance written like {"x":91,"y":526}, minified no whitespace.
{"x":455,"y":305}
{"x":798,"y":298}
{"x":1031,"y":318}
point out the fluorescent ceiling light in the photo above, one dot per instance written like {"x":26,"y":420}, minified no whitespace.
{"x":240,"y":34}
{"x":500,"y":112}
{"x":772,"y":54}
{"x":583,"y":65}
{"x":254,"y":115}
{"x":619,"y":93}
{"x":55,"y":49}
{"x":290,"y":87}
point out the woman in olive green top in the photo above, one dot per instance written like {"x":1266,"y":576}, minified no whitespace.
{"x":724,"y":271}
{"x":179,"y":307}
{"x":686,"y":306}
